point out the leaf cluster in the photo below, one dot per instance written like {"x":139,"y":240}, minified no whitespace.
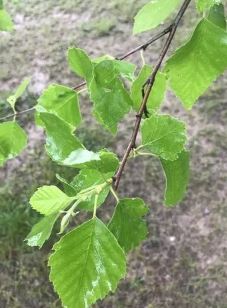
{"x":88,"y":262}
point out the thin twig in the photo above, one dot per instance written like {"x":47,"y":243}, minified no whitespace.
{"x":17,"y":113}
{"x":146,"y":44}
{"x":134,"y":50}
{"x":149,"y":84}
{"x":126,"y":55}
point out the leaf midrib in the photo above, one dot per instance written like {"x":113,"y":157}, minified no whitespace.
{"x":153,"y":141}
{"x":86,"y":260}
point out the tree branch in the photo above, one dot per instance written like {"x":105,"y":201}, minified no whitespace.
{"x":135,"y":50}
{"x":126,"y":55}
{"x":17,"y":113}
{"x":149,"y":85}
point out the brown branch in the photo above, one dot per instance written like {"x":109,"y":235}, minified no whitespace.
{"x":17,"y":113}
{"x":145,"y":45}
{"x":135,"y":50}
{"x":149,"y":85}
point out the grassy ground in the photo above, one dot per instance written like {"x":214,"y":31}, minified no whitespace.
{"x":183,"y":263}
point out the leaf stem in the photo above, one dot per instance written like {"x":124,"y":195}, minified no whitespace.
{"x":95,"y":205}
{"x":144,"y":154}
{"x":82,"y":90}
{"x":114,"y":194}
{"x":142,"y":57}
{"x":66,"y":218}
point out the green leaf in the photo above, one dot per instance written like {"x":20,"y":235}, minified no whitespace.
{"x":6,"y":23}
{"x":124,"y":68}
{"x":111,"y":100}
{"x":61,"y":101}
{"x":157,"y":94}
{"x":19,"y":92}
{"x":79,"y":158}
{"x":127,"y":223}
{"x":50,"y":199}
{"x":177,"y":177}
{"x":88,"y":178}
{"x":41,"y":231}
{"x":203,"y":5}
{"x":217,"y":16}
{"x":80,"y":63}
{"x":67,"y":187}
{"x":163,"y":136}
{"x":13,"y":140}
{"x":87,"y":264}
{"x":108,"y":162}
{"x":198,"y":63}
{"x":62,"y":145}
{"x":60,"y":142}
{"x":153,"y":14}
{"x":93,"y":174}
{"x":102,"y":58}
{"x":22,"y":87}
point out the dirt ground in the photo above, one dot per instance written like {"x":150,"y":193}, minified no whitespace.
{"x":183,"y":262}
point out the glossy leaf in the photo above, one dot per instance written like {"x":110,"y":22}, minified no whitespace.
{"x":13,"y":140}
{"x":158,"y":91}
{"x":202,"y":5}
{"x":60,"y":142}
{"x":153,"y":14}
{"x":198,"y":63}
{"x":108,"y":162}
{"x":80,"y":157}
{"x":80,"y":63}
{"x":111,"y":100}
{"x":62,"y":145}
{"x":19,"y":92}
{"x":41,"y":231}
{"x":127,"y":223}
{"x":61,"y":101}
{"x":163,"y":136}
{"x":50,"y":199}
{"x":86,"y":265}
{"x":177,"y":176}
{"x":6,"y":23}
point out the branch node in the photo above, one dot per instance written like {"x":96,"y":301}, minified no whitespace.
{"x":149,"y":81}
{"x":133,"y":146}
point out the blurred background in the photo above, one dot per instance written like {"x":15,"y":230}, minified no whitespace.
{"x":183,"y":262}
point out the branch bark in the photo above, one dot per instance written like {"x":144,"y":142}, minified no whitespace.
{"x":149,"y":85}
{"x":17,"y":113}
